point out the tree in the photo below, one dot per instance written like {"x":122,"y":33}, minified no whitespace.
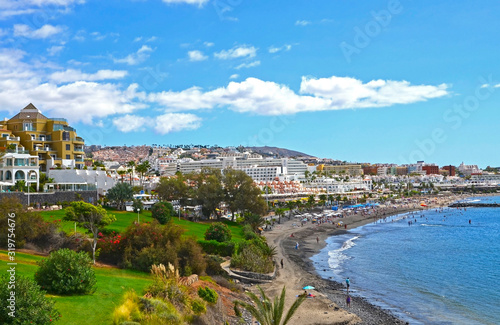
{"x":219,"y":232}
{"x":120,"y":193}
{"x":211,"y":194}
{"x":121,"y":173}
{"x":173,"y":188}
{"x":43,"y":179}
{"x":31,"y":305}
{"x":143,"y":168}
{"x":163,"y":212}
{"x":268,"y":312}
{"x":240,"y":193}
{"x":254,"y":220}
{"x":130,"y":169}
{"x":280,"y":213}
{"x":137,"y":206}
{"x":89,"y":217}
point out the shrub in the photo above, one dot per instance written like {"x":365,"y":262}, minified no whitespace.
{"x":163,"y":212}
{"x":190,"y":257}
{"x":214,"y":247}
{"x":213,"y":265}
{"x":31,"y":305}
{"x":208,"y":295}
{"x":30,"y":226}
{"x":253,"y":256}
{"x":128,"y":311}
{"x":228,"y":283}
{"x":219,"y":232}
{"x":110,"y":248}
{"x":149,"y":243}
{"x":248,"y":232}
{"x":66,"y":272}
{"x":198,"y":307}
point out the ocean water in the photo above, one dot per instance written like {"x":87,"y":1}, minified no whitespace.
{"x":439,"y":270}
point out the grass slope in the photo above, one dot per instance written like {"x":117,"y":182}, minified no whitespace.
{"x":97,"y":308}
{"x":125,"y":219}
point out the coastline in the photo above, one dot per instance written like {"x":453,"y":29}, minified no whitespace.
{"x":329,"y":306}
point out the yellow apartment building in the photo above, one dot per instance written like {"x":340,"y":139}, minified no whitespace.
{"x":51,"y":139}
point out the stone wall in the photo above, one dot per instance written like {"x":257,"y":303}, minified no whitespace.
{"x":52,"y":198}
{"x":257,"y":276}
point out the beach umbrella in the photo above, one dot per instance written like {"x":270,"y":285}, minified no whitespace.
{"x":308,"y":288}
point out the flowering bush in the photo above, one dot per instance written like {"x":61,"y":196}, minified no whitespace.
{"x":66,"y":272}
{"x":110,"y":247}
{"x":163,"y":212}
{"x":219,"y":232}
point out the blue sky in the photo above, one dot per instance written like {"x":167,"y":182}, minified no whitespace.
{"x":366,"y":81}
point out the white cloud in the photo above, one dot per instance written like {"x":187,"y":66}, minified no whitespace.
{"x":496,"y":86}
{"x":234,"y":76}
{"x":248,"y":65}
{"x":43,"y":32}
{"x":199,"y":3}
{"x":71,"y":75}
{"x":286,"y":47}
{"x":208,"y":44}
{"x":135,"y":58}
{"x":173,"y":122}
{"x":128,"y":123}
{"x":243,"y":51}
{"x":197,"y":56}
{"x":83,"y":101}
{"x":25,"y":7}
{"x":269,"y":98}
{"x":163,"y":124}
{"x":353,"y":93}
{"x":302,"y":23}
{"x":56,"y":49}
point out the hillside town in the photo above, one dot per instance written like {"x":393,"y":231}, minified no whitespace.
{"x":35,"y":144}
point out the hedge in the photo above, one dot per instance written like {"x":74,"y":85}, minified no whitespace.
{"x":213,"y":247}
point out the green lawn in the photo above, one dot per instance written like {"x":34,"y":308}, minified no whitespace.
{"x":97,"y":308}
{"x":124,"y":219}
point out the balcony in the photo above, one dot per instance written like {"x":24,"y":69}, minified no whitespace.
{"x":78,"y":149}
{"x":77,"y":139}
{"x":58,"y":119}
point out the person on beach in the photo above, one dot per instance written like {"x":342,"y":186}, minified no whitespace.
{"x":281,"y":263}
{"x":347,"y":283}
{"x":348,"y":301}
{"x":317,"y":240}
{"x":297,"y":245}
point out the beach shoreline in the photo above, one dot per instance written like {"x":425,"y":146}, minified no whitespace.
{"x":329,"y":306}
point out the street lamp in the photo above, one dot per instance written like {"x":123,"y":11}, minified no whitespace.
{"x":138,"y":211}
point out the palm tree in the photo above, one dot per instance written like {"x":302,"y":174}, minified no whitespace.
{"x":270,"y":313}
{"x":143,"y":168}
{"x":121,"y":173}
{"x":130,"y":170}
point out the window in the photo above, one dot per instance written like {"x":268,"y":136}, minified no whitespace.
{"x":28,"y":126}
{"x":33,"y":137}
{"x":68,"y":147}
{"x":5,"y":135}
{"x":65,"y":136}
{"x":67,"y":157}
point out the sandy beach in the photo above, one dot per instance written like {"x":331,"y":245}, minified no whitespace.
{"x":329,"y":305}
